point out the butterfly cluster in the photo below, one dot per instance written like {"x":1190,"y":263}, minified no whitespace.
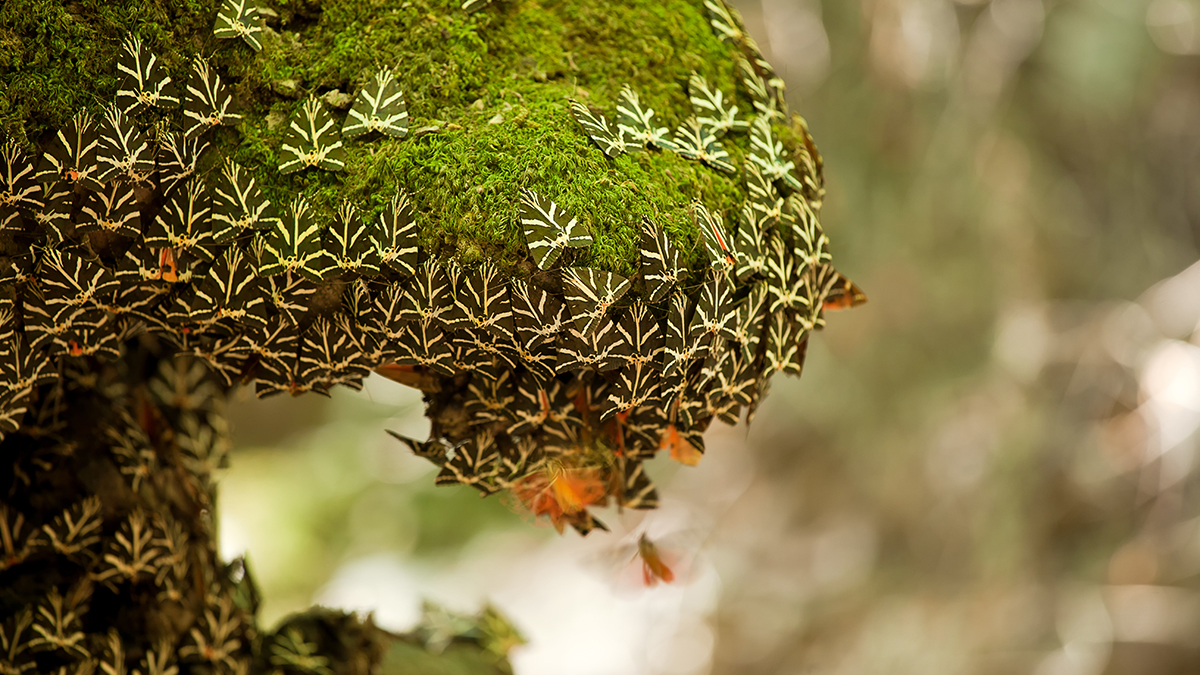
{"x":555,"y":388}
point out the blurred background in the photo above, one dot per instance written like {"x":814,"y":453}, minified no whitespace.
{"x":990,"y":468}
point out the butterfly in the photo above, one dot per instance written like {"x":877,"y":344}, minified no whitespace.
{"x":396,"y":235}
{"x":637,"y":125}
{"x":721,"y":18}
{"x":124,"y":151}
{"x":435,"y":450}
{"x":239,"y":206}
{"x":205,"y":102}
{"x":312,"y":140}
{"x":767,"y":154}
{"x":112,"y":209}
{"x":698,"y":142}
{"x":19,"y":190}
{"x":239,"y":18}
{"x":378,"y":107}
{"x":716,"y":238}
{"x":660,"y":262}
{"x":146,"y":82}
{"x":844,"y":294}
{"x":295,"y":245}
{"x":349,"y":244}
{"x":589,"y":293}
{"x":177,"y":159}
{"x":183,"y":224}
{"x":549,"y":229}
{"x":711,"y":111}
{"x":654,"y":568}
{"x":71,"y":157}
{"x":599,"y":129}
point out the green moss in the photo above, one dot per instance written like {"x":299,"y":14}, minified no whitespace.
{"x":490,"y":87}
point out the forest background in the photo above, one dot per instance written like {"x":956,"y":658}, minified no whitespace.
{"x":990,"y":468}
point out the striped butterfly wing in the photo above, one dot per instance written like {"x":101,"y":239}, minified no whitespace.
{"x":379,"y":107}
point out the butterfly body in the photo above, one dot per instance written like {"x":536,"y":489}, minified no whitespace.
{"x":654,"y":568}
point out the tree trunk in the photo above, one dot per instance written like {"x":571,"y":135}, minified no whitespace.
{"x":223,"y":232}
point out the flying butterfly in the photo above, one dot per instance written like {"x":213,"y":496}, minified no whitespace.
{"x":843,"y":294}
{"x":19,"y":190}
{"x":378,"y":107}
{"x":349,"y":244}
{"x":549,"y":229}
{"x":240,"y":18}
{"x":699,"y":142}
{"x":767,"y":154}
{"x":295,"y":245}
{"x":71,"y":157}
{"x":560,"y":492}
{"x":710,"y":108}
{"x":721,"y":253}
{"x":205,"y":102}
{"x":589,"y":293}
{"x":657,"y":563}
{"x":637,"y":125}
{"x":660,"y":262}
{"x":146,"y":84}
{"x":599,"y":129}
{"x":312,"y":140}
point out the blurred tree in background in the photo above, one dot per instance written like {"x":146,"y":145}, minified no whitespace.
{"x":987,"y":469}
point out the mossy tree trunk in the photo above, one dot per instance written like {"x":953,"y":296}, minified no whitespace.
{"x":114,"y":423}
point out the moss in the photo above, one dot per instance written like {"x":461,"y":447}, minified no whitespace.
{"x":491,"y":88}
